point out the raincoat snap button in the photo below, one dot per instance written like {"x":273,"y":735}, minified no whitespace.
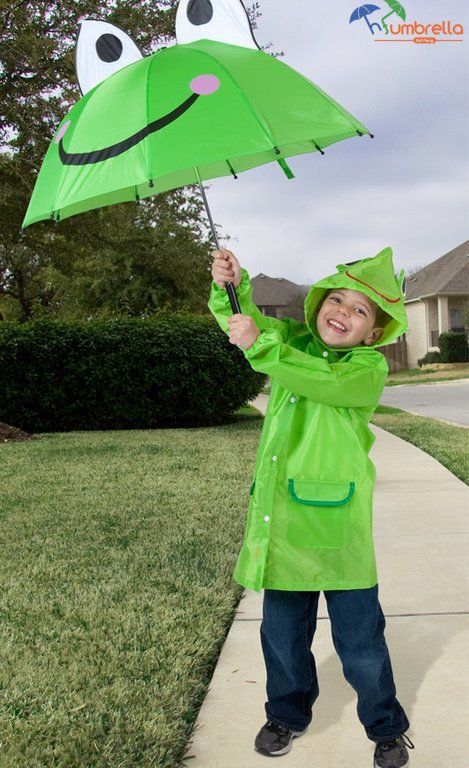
{"x":325,"y":353}
{"x":274,"y":458}
{"x":266,"y":518}
{"x":293,"y":399}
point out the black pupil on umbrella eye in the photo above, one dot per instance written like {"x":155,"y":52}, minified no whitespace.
{"x":199,"y":11}
{"x":108,"y":48}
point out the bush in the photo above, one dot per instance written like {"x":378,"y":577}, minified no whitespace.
{"x":453,"y":347}
{"x":430,"y":357}
{"x":121,"y":374}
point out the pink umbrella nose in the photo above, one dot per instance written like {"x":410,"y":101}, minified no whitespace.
{"x":62,"y":131}
{"x":204,"y":84}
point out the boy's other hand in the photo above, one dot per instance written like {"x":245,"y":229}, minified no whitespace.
{"x":225,"y":268}
{"x":243,"y":331}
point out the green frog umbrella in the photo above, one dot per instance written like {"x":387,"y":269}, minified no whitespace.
{"x":211,"y":105}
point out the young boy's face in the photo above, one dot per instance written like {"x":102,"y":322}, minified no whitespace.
{"x":346,"y":318}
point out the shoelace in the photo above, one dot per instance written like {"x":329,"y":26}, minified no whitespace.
{"x":277,"y":727}
{"x":386,"y":745}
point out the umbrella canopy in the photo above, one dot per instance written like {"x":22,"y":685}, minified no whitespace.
{"x":197,"y":110}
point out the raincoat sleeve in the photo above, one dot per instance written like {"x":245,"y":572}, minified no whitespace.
{"x":220,"y":307}
{"x":355,"y":383}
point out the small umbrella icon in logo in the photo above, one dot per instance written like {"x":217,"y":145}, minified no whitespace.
{"x":362,"y":13}
{"x":395,"y":8}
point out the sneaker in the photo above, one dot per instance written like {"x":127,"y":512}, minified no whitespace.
{"x":393,"y":753}
{"x":274,"y":739}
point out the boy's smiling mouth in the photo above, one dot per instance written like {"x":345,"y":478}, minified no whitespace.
{"x":337,"y":326}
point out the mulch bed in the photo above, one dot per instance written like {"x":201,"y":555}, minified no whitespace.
{"x":8,"y":434}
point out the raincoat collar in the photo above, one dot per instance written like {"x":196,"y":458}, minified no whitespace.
{"x":373,"y":276}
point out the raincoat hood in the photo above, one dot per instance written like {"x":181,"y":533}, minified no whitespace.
{"x":376,"y":278}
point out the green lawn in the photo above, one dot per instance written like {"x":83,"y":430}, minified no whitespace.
{"x":418,"y":376}
{"x":116,"y":592}
{"x":445,"y":442}
{"x":116,"y":589}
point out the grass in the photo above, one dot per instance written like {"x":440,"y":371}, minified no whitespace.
{"x":446,"y":443}
{"x":116,"y":593}
{"x":116,"y":590}
{"x":417,"y":376}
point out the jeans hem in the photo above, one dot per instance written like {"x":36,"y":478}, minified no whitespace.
{"x":385,"y":739}
{"x":288,"y":725}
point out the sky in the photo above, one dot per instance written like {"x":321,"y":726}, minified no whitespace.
{"x":407,"y":188}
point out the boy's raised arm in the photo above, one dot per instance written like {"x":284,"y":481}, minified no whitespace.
{"x":220,"y":307}
{"x":356,"y":383}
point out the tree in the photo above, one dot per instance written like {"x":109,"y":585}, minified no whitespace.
{"x":416,"y":268}
{"x":125,"y":259}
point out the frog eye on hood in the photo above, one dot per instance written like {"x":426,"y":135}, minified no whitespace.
{"x":225,"y":21}
{"x":101,"y":50}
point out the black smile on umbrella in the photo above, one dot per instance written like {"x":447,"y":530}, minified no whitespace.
{"x":98,"y":155}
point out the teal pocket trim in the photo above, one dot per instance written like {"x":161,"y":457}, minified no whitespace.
{"x":320,"y":502}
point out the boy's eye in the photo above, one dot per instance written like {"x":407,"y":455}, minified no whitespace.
{"x":336,"y":298}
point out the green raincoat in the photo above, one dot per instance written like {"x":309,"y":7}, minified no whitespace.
{"x":309,"y":524}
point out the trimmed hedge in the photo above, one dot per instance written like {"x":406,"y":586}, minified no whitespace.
{"x":128,"y":373}
{"x":453,"y":347}
{"x":429,"y":357}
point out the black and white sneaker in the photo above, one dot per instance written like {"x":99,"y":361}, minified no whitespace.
{"x":393,"y":753}
{"x":274,"y":739}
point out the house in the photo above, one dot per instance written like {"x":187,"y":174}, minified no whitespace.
{"x":279,"y":297}
{"x":437,"y":300}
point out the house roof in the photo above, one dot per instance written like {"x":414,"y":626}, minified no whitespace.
{"x":276,"y":291}
{"x":447,"y":275}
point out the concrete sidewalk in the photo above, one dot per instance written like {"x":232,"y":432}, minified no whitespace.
{"x":421,"y":530}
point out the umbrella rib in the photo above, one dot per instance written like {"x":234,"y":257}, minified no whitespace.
{"x":335,"y":104}
{"x":243,"y":95}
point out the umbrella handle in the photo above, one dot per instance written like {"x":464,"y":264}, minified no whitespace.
{"x":230,"y":289}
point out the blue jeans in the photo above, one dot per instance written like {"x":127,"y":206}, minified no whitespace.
{"x":357,"y":625}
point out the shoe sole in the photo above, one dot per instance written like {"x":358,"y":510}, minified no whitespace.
{"x":406,"y":765}
{"x":279,"y":752}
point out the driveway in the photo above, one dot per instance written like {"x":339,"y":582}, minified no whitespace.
{"x":446,"y":400}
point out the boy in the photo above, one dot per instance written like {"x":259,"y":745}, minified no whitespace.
{"x":309,"y":525}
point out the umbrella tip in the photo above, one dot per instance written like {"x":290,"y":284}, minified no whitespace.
{"x":318,"y":148}
{"x":232,"y":171}
{"x":371,"y":135}
{"x":151,"y":183}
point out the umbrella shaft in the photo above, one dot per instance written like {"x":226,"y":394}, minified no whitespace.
{"x":229,"y":286}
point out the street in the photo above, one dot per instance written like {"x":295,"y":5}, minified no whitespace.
{"x":447,"y":400}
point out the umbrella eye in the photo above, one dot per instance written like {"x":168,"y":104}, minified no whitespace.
{"x":109,"y":48}
{"x":225,"y":21}
{"x":101,"y":50}
{"x":199,"y":11}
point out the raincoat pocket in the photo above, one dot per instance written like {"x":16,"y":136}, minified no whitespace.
{"x":318,"y":513}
